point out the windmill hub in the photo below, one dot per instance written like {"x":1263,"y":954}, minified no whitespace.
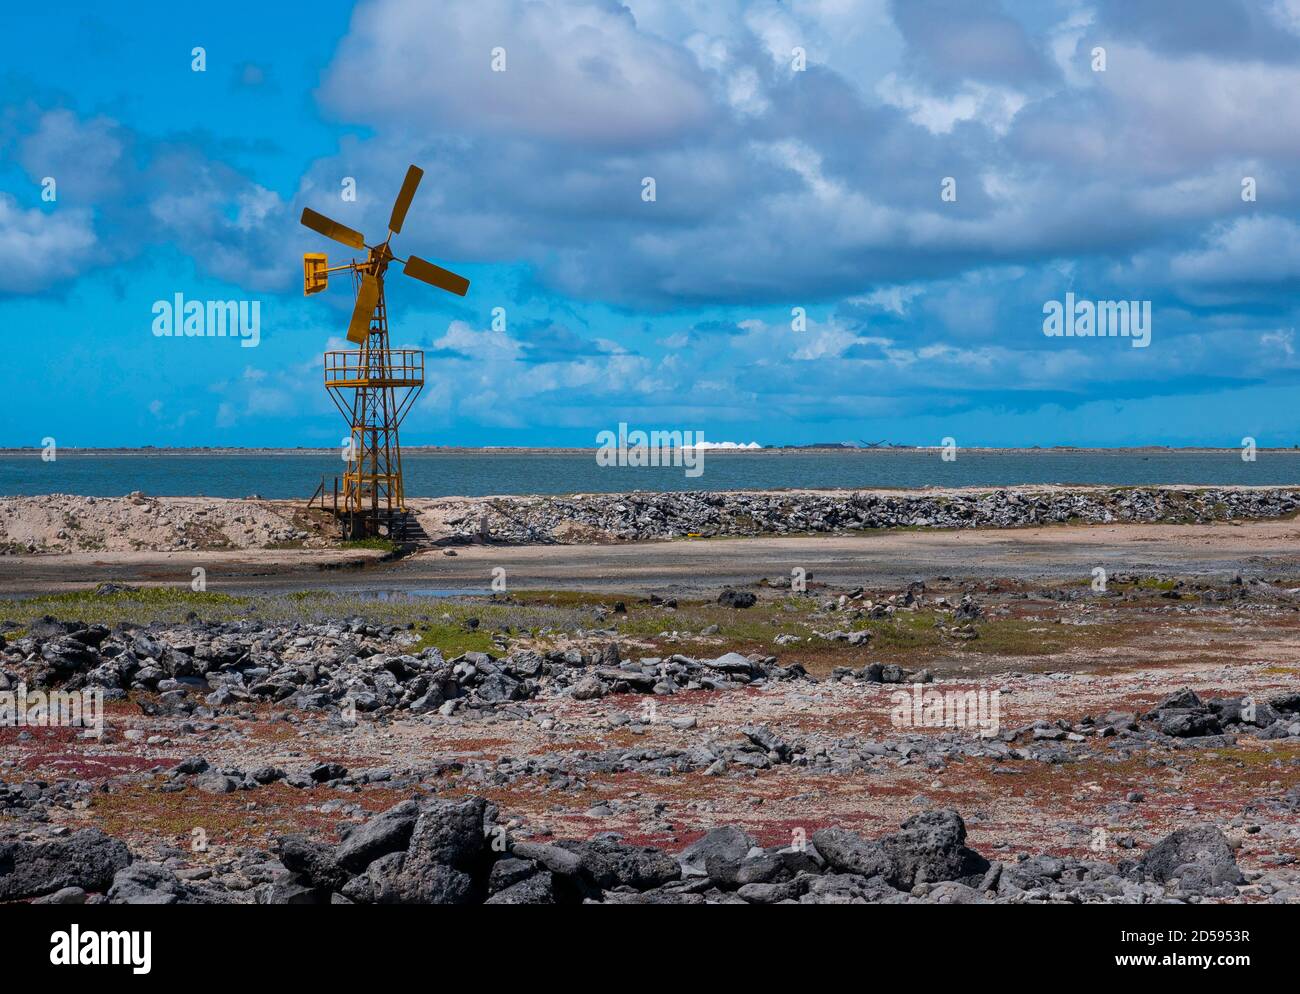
{"x":373,"y":386}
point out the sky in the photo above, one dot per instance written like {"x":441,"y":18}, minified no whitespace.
{"x":861,"y":210}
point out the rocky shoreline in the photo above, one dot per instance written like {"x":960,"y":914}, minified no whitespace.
{"x":652,"y":516}
{"x":62,"y":523}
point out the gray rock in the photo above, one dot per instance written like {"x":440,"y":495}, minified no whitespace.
{"x":68,"y":895}
{"x":612,"y":864}
{"x":767,"y":893}
{"x":499,"y":687}
{"x":737,"y":598}
{"x":848,"y":852}
{"x":846,"y":888}
{"x":214,"y":783}
{"x":449,"y":832}
{"x":397,"y":879}
{"x":87,"y":859}
{"x":426,"y":883}
{"x":327,"y":772}
{"x":508,"y":872}
{"x":931,"y":847}
{"x":727,"y":844}
{"x":378,"y":836}
{"x":536,"y":889}
{"x":1198,"y":857}
{"x":1187,"y":724}
{"x":559,"y":861}
{"x":145,"y":883}
{"x":292,"y":888}
{"x":315,"y":863}
{"x":589,"y":688}
{"x":951,"y":892}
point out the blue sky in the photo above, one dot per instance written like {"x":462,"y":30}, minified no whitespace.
{"x":776,"y":190}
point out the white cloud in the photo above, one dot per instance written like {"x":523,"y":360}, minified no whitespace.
{"x":84,"y":155}
{"x":995,"y":107}
{"x":576,"y":70}
{"x":39,"y":249}
{"x":1257,"y":249}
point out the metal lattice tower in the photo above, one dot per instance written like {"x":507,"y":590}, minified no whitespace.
{"x":373,"y":386}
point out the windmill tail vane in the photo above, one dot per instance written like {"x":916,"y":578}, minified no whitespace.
{"x":372,"y":385}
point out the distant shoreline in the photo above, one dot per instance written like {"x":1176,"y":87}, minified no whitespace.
{"x":451,"y":450}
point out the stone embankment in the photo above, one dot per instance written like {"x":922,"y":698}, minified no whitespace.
{"x":61,"y":523}
{"x":649,"y":516}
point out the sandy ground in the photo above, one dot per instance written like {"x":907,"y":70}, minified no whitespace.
{"x":1054,"y":553}
{"x":692,"y":565}
{"x":65,"y":523}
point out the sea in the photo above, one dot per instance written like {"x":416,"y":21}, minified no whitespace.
{"x":478,"y":473}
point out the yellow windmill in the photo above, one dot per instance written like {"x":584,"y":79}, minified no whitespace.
{"x":372,"y":385}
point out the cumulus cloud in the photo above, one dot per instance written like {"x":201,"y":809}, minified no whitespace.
{"x":954,"y":40}
{"x":576,"y":71}
{"x":1257,"y":249}
{"x":120,"y":194}
{"x":39,"y":249}
{"x":774,"y":189}
{"x":1249,"y":30}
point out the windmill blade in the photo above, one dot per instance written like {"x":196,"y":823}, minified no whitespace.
{"x":403,"y":202}
{"x":332,"y":229}
{"x":367,"y":297}
{"x":443,"y":279}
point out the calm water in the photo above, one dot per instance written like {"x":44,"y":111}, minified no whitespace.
{"x":477,"y":474}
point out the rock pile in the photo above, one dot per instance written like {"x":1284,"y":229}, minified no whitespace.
{"x":641,"y":516}
{"x":652,"y":675}
{"x":458,"y":851}
{"x":1183,"y":718}
{"x":342,"y":666}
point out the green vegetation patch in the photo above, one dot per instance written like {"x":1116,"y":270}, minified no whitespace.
{"x":142,"y":605}
{"x":374,"y":542}
{"x":452,"y":640}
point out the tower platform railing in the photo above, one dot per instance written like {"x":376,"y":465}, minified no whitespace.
{"x":371,"y":368}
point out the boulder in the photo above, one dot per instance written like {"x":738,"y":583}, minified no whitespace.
{"x":612,"y":864}
{"x":589,"y":688}
{"x":1199,"y":858}
{"x":399,"y":879}
{"x":145,"y":883}
{"x":536,"y":889}
{"x":728,"y":844}
{"x":378,"y":836}
{"x":558,"y":860}
{"x":737,"y":598}
{"x":449,"y":832}
{"x":931,"y":847}
{"x":87,"y":859}
{"x":317,"y":864}
{"x":848,"y":852}
{"x":508,"y":872}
